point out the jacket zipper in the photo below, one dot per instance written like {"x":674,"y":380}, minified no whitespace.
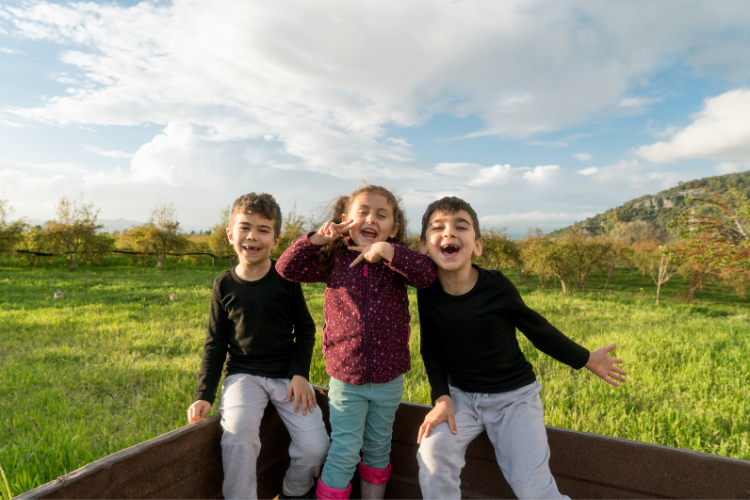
{"x":366,"y":322}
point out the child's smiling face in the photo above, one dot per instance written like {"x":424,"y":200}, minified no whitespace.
{"x":252,"y":237}
{"x":450,"y":240}
{"x":373,"y":219}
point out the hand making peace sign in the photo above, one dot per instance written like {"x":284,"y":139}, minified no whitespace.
{"x":329,"y":231}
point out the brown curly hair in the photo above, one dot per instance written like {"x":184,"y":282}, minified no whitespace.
{"x":262,"y":204}
{"x":340,"y":208}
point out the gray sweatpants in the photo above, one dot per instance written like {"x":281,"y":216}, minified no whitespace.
{"x":514,"y":422}
{"x":244,"y":398}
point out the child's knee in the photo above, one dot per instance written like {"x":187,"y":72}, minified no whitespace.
{"x":239,"y":421}
{"x":440,"y":445}
{"x":376,"y":450}
{"x":317,"y":447}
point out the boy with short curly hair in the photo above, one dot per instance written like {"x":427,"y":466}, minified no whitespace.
{"x":480,"y":379}
{"x":261,"y":320}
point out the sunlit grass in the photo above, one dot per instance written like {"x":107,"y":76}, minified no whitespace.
{"x":115,"y":362}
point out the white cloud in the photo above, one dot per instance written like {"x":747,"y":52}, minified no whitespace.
{"x":541,"y":173}
{"x":549,"y":144}
{"x":727,"y":167}
{"x":637,"y":102}
{"x":11,"y":124}
{"x":109,"y":154}
{"x":64,"y":78}
{"x":588,"y":171}
{"x":398,"y":141}
{"x":327,"y":86}
{"x":638,"y":175}
{"x":720,"y":132}
{"x":159,"y":159}
{"x":6,"y":50}
{"x":499,"y":174}
{"x":21,"y":179}
{"x":582,"y":156}
{"x":493,"y":175}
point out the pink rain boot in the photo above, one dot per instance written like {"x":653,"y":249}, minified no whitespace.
{"x":324,"y":492}
{"x":372,"y":481}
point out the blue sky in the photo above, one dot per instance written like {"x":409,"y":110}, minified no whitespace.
{"x":539,"y":113}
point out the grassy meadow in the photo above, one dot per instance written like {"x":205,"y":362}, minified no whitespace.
{"x":114,"y":362}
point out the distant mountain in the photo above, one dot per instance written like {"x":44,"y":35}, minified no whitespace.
{"x":664,"y":206}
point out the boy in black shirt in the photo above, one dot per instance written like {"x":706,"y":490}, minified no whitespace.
{"x":479,"y":377}
{"x":262,"y":321}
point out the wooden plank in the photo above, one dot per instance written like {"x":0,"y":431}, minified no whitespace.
{"x":186,"y":463}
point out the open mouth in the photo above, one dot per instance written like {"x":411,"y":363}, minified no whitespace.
{"x":251,"y":250}
{"x":450,"y":250}
{"x":369,"y":234}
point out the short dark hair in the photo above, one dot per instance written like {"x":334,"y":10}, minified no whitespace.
{"x":262,"y":204}
{"x":449,"y":205}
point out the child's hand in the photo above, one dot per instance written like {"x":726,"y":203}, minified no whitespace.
{"x":303,"y":394}
{"x":373,"y":253}
{"x":329,"y":231}
{"x":601,"y":364}
{"x":443,"y":412}
{"x":198,"y":411}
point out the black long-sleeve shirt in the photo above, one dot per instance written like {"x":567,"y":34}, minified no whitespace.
{"x":264,"y":325}
{"x":469,"y":340}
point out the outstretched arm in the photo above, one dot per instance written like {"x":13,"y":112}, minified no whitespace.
{"x":603,"y":365}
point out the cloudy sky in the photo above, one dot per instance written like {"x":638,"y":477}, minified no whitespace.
{"x":539,"y":113}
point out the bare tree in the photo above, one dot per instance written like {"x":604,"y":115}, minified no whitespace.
{"x":663,"y":273}
{"x":656,"y":260}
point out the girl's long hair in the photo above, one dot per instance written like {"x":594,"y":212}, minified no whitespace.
{"x":340,"y":208}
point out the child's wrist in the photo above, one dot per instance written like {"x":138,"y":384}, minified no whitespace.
{"x":316,"y":239}
{"x":444,"y":399}
{"x":386,"y":251}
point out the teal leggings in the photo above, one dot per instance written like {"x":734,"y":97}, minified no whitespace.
{"x":361,"y":419}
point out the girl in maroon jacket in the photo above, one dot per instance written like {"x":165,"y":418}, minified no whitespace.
{"x":366,"y":335}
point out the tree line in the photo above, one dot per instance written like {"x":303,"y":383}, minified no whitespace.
{"x":709,"y":240}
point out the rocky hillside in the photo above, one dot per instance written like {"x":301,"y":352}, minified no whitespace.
{"x":664,"y":206}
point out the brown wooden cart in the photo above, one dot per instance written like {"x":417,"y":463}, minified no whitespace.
{"x":186,"y":463}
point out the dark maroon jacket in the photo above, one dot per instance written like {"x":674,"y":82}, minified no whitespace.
{"x":366,"y":334}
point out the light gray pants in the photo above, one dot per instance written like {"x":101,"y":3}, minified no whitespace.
{"x":514,"y":422}
{"x":244,"y":398}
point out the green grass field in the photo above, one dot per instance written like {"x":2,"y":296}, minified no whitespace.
{"x":114,"y":362}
